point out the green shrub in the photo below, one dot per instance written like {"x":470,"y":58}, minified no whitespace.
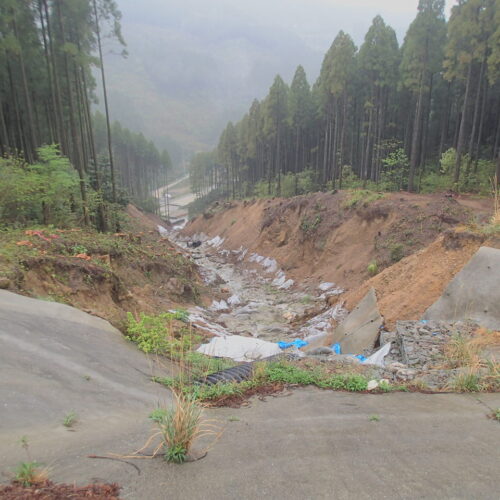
{"x":355,"y":382}
{"x":44,"y":193}
{"x":361,"y":197}
{"x":349,"y":382}
{"x":396,"y":252}
{"x":200,"y":365}
{"x":467,"y":382}
{"x":261,"y":189}
{"x":372,"y":268}
{"x":289,"y":374}
{"x":152,"y":334}
{"x":310,"y":225}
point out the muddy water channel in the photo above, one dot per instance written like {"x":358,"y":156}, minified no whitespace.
{"x":258,"y":299}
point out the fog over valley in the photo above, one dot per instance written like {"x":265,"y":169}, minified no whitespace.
{"x":193,"y":65}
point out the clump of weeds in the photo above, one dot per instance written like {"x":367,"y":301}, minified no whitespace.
{"x":178,"y":427}
{"x":30,"y":473}
{"x":70,"y":419}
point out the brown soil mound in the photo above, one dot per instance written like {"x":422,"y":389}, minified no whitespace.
{"x":406,"y":289}
{"x":104,"y":274}
{"x":330,"y":237}
{"x":53,"y":491}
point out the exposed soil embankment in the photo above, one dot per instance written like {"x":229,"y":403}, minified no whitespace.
{"x":406,"y":289}
{"x":333,"y":237}
{"x":104,"y":274}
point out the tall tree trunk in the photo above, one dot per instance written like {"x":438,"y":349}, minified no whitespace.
{"x":57,"y":86}
{"x":475,"y":118}
{"x":106,"y":107}
{"x":481,"y":125}
{"x":497,"y":173}
{"x":425,"y":128}
{"x":74,"y":133}
{"x":57,"y":126}
{"x":463,"y":125}
{"x":325,"y":150}
{"x":20,"y":142}
{"x":296,"y":179}
{"x":342,"y":139}
{"x":445,"y":120}
{"x":414,"y":157}
{"x":4,"y":137}
{"x":367,"y":157}
{"x":33,"y":139}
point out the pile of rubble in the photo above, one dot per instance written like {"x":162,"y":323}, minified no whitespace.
{"x":417,"y":350}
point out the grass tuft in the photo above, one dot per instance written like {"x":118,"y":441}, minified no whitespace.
{"x":361,"y":197}
{"x":70,"y":419}
{"x":467,"y":382}
{"x":31,"y":474}
{"x":467,"y":353}
{"x":179,"y":427}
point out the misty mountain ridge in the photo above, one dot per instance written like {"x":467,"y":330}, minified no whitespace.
{"x":195,"y":65}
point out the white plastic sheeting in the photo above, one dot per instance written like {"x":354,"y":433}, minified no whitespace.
{"x":326,"y":286}
{"x":221,"y":305}
{"x":255,"y":257}
{"x":281,"y":282}
{"x":163,"y":232}
{"x":215,"y":242}
{"x":239,"y":348}
{"x":234,"y":300}
{"x":197,"y":318}
{"x":270,"y":265}
{"x":287,"y":284}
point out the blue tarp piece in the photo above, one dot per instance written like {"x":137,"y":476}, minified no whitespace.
{"x":336,"y":348}
{"x":298,"y":343}
{"x":361,"y":358}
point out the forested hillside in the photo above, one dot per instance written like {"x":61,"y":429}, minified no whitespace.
{"x":421,"y":116}
{"x":48,"y":52}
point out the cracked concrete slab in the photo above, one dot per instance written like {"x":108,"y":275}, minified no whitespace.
{"x":474,"y":293}
{"x":360,"y":330}
{"x":55,"y":359}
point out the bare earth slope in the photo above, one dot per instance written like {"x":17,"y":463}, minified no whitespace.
{"x":417,"y":242}
{"x":327,"y":238}
{"x":406,"y":289}
{"x":103,"y":274}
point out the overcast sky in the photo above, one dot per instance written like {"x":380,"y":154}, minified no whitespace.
{"x":316,"y":22}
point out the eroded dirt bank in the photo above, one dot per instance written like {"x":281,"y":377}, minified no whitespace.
{"x":418,"y":243}
{"x":331,"y":237}
{"x":106,"y":275}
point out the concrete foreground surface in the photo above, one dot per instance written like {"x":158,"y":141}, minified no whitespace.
{"x":304,"y":444}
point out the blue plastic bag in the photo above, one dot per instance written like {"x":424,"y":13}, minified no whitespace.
{"x":336,"y":348}
{"x":298,"y":343}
